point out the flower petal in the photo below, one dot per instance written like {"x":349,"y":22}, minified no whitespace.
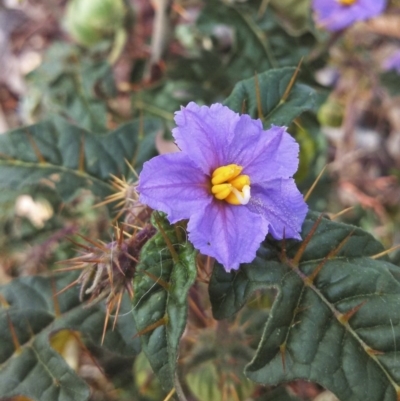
{"x":281,"y":204}
{"x":231,"y":234}
{"x":265,"y":155}
{"x":328,"y":13}
{"x":204,"y":133}
{"x":392,"y":62}
{"x":334,"y":16}
{"x":173,"y":184}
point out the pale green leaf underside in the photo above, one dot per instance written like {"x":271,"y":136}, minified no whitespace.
{"x":303,"y":338}
{"x":153,"y":302}
{"x":68,"y":158}
{"x":38,"y":371}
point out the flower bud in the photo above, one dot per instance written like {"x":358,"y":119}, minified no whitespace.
{"x":91,"y":21}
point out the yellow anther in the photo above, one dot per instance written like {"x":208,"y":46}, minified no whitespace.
{"x":221,"y":191}
{"x":225,"y":173}
{"x":239,"y":197}
{"x":240,"y":181}
{"x":232,"y":199}
{"x":227,"y":184}
{"x":347,"y":2}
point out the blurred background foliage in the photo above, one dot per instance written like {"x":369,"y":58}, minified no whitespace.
{"x":120,"y":69}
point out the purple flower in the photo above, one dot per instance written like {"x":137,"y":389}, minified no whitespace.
{"x":393,"y":62}
{"x":334,"y":15}
{"x":231,"y":179}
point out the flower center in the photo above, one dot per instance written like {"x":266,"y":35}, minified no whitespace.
{"x":347,"y":2}
{"x":230,"y":186}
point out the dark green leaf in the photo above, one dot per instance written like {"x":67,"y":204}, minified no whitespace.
{"x":247,"y":40}
{"x":164,"y":99}
{"x":72,"y":84}
{"x":153,"y":302}
{"x":279,"y":394}
{"x":230,"y":291}
{"x":51,"y":153}
{"x":249,"y":50}
{"x":308,"y":335}
{"x":287,"y":49}
{"x":295,"y":14}
{"x":391,"y":81}
{"x":37,"y":370}
{"x":272,"y":85}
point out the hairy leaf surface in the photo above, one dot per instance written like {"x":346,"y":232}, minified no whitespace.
{"x":161,"y":287}
{"x":30,"y":318}
{"x":67,"y":158}
{"x":341,"y":329}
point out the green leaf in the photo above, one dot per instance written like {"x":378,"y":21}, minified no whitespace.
{"x":390,"y":80}
{"x":204,"y":384}
{"x":279,"y":394}
{"x":145,"y":378}
{"x":52,"y":153}
{"x":213,"y":368}
{"x":162,"y":294}
{"x":287,"y":49}
{"x":309,"y":334}
{"x":230,"y":291}
{"x":295,"y":14}
{"x":308,"y":148}
{"x":250,"y":50}
{"x":34,"y":368}
{"x":272,"y":85}
{"x":247,"y":40}
{"x":163,"y":99}
{"x":70,"y":82}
